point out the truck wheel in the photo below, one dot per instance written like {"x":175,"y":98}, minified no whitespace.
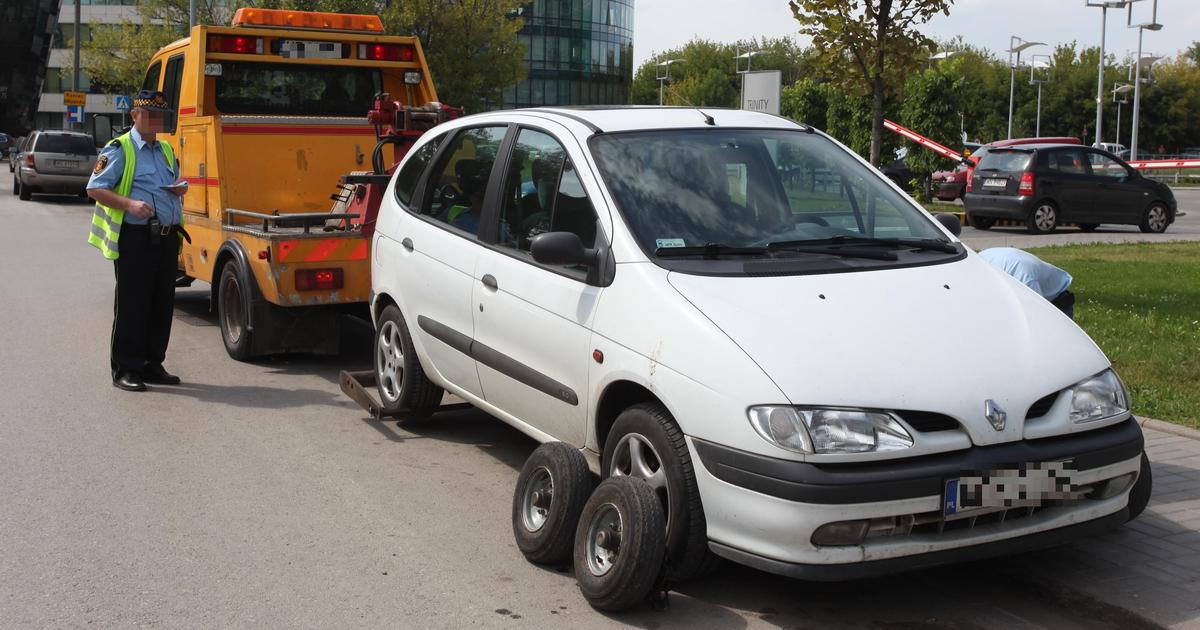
{"x":1139,"y":497}
{"x":232,"y":308}
{"x":23,"y":191}
{"x":403,"y":386}
{"x":1154,"y":222}
{"x":619,"y":545}
{"x":554,"y":484}
{"x":645,"y":442}
{"x":1042,"y":219}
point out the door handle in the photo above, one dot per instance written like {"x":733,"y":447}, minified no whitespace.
{"x":407,"y":244}
{"x":489,"y":281}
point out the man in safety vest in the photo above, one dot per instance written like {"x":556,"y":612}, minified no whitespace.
{"x":137,"y":225}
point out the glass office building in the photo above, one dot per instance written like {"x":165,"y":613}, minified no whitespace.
{"x":579,"y":52}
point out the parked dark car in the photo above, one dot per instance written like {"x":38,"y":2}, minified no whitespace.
{"x":1045,"y":185}
{"x":951,"y":185}
{"x":54,"y":161}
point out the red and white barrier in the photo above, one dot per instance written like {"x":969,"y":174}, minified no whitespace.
{"x":1161,"y":164}
{"x":923,"y":141}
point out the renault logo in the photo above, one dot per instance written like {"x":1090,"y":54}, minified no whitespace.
{"x":994,"y":414}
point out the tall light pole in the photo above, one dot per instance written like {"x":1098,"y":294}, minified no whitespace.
{"x":748,"y":56}
{"x":1104,"y":5}
{"x":1035,"y":62}
{"x":1015,"y":48}
{"x":662,"y":72}
{"x":1120,"y":89}
{"x":1142,"y":27}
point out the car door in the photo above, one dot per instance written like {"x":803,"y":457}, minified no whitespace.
{"x":533,"y":337}
{"x":1117,"y":196}
{"x":433,"y":249}
{"x":1065,"y":179}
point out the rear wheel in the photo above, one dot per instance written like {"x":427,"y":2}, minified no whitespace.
{"x":981,"y":223}
{"x":1156,"y":219}
{"x":232,"y":312}
{"x":1089,"y":227}
{"x":23,"y":191}
{"x":1043,"y":219}
{"x":402,"y":383}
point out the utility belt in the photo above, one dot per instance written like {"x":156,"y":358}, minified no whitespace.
{"x":159,"y":231}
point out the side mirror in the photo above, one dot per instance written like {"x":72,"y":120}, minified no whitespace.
{"x":560,"y":248}
{"x":950,"y":222}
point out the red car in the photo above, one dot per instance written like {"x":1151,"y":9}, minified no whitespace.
{"x":951,"y":185}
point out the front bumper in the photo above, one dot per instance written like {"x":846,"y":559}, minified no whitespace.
{"x":998,"y":206}
{"x":763,"y":511}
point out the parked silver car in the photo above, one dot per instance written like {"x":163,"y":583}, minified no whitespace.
{"x":54,"y":162}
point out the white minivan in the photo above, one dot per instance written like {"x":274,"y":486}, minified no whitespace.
{"x":742,"y":312}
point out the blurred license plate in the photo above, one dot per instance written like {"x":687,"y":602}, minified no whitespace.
{"x":995,"y":183}
{"x":1025,"y":486}
{"x":65,"y":163}
{"x":302,"y":49}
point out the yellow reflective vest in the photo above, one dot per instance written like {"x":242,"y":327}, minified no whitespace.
{"x":106,"y":221}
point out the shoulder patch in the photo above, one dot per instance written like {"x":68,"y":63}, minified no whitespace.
{"x":101,"y":162}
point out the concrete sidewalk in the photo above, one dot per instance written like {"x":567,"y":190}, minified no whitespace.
{"x":1151,"y":566}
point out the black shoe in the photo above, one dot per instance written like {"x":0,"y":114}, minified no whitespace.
{"x":129,"y":383}
{"x":159,"y":376}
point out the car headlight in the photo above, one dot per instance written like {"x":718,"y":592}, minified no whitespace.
{"x":1098,"y":397}
{"x":810,"y":430}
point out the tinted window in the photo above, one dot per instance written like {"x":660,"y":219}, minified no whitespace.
{"x":459,"y":181}
{"x":1002,"y":160}
{"x":300,"y":90}
{"x":53,"y":143}
{"x":170,"y":90}
{"x":151,"y":82}
{"x":1104,"y":166}
{"x":406,"y":183}
{"x":1066,"y":161}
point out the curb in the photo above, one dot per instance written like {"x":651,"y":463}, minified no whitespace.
{"x":1167,"y":427}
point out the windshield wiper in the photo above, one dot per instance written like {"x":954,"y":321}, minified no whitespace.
{"x":713,"y":250}
{"x":913,"y":243}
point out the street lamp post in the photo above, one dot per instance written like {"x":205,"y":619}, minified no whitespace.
{"x":1142,"y":27}
{"x":1015,"y":48}
{"x":748,"y":56}
{"x":1120,"y":89}
{"x":1035,"y":62}
{"x":1104,"y":5}
{"x":662,"y":72}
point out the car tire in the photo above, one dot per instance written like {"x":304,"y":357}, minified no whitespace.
{"x":23,"y":191}
{"x":1088,"y":227}
{"x":1042,"y":219}
{"x":233,"y":313}
{"x":1139,"y":496}
{"x":646,"y":442}
{"x":1156,"y":219}
{"x":403,"y":386}
{"x":619,"y":544}
{"x":552,"y":489}
{"x":981,"y":223}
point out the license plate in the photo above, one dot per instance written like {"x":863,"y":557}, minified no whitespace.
{"x":1025,"y":486}
{"x":995,"y":183}
{"x":65,"y":163}
{"x":303,"y":49}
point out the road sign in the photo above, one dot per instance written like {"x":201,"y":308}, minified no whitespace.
{"x":75,"y":113}
{"x":122,"y":103}
{"x":761,"y":91}
{"x":74,"y":98}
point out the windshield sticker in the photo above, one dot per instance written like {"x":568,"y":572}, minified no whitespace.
{"x":669,"y":242}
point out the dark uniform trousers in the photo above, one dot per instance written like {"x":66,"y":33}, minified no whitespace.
{"x":145,"y":299}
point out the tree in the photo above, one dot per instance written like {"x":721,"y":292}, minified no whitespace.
{"x":877,"y":38}
{"x":471,"y":46}
{"x":706,"y":74}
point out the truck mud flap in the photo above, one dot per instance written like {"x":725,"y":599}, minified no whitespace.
{"x":360,"y":386}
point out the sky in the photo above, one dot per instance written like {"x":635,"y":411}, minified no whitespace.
{"x":664,"y":24}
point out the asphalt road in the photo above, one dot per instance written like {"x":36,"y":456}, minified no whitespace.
{"x":255,"y":495}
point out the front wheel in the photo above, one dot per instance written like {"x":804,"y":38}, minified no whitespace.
{"x":1139,"y":496}
{"x":232,"y":313}
{"x":403,"y":386}
{"x":1156,"y":219}
{"x":1043,"y":219}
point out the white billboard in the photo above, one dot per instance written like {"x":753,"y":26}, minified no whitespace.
{"x":761,"y":90}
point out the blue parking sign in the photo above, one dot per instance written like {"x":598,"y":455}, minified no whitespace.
{"x":75,"y":113}
{"x":123,"y":103}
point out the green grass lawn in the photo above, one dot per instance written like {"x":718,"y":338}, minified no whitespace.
{"x":1141,"y":304}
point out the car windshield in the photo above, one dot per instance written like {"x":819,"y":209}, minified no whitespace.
{"x":55,"y":143}
{"x":749,"y":188}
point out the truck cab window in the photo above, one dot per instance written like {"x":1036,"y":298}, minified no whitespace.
{"x":151,"y":82}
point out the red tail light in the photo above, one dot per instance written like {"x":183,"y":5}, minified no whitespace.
{"x":237,"y":44}
{"x":386,"y":52}
{"x":1026,"y":184}
{"x":29,"y":160}
{"x":970,"y":180}
{"x":318,"y":279}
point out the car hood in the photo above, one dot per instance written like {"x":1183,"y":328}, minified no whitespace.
{"x":941,"y":338}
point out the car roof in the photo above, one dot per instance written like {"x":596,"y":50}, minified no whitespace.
{"x":65,"y":132}
{"x":1020,"y":141}
{"x":1040,"y":145}
{"x":644,"y":118}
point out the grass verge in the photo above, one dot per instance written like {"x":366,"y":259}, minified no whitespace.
{"x":1141,"y":304}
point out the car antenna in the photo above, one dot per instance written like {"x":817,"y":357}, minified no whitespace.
{"x":708,"y":120}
